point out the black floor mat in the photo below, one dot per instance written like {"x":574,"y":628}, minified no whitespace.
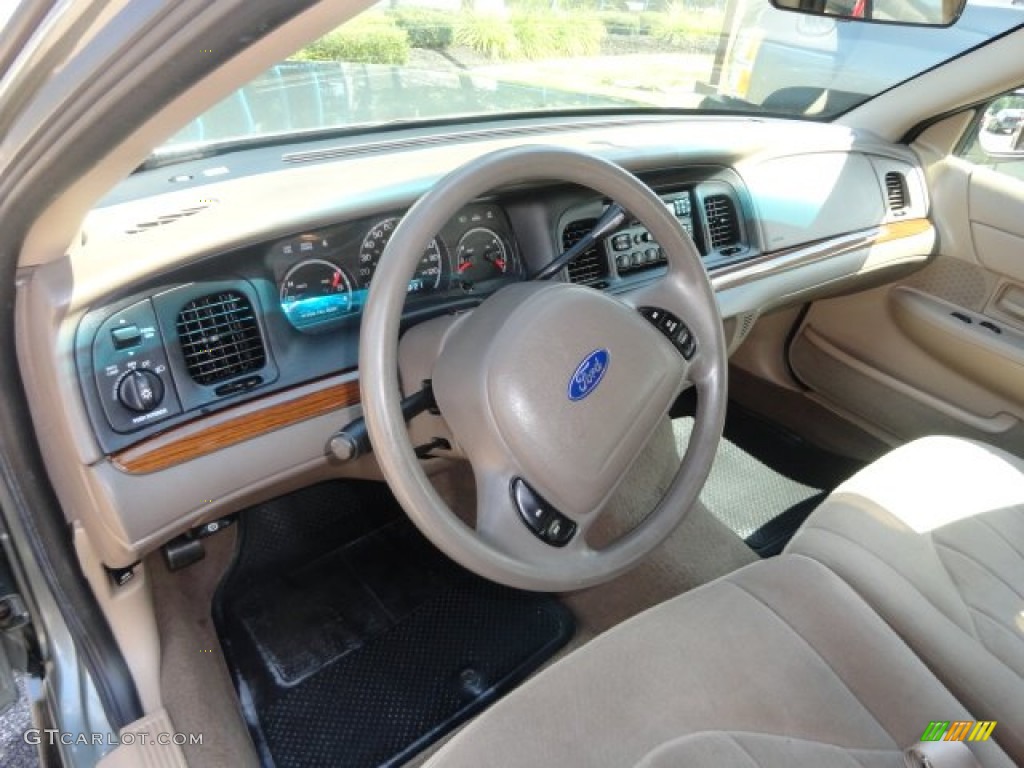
{"x":353,"y":642}
{"x":765,"y":481}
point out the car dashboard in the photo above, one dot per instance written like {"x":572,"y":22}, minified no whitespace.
{"x":207,"y":336}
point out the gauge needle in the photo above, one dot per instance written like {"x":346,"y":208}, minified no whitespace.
{"x":495,"y":260}
{"x":464,"y":266}
{"x":336,"y":280}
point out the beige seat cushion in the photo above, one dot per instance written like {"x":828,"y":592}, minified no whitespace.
{"x":932,"y":536}
{"x":779,"y":648}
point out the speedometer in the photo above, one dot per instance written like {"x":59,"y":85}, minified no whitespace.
{"x":428,"y":271}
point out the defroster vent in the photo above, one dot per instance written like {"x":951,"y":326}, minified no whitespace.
{"x":723,"y":228}
{"x":591,"y":265}
{"x":220,"y":337}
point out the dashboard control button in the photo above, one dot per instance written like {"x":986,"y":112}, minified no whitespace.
{"x":129,"y":365}
{"x":140,"y":391}
{"x":621,"y":242}
{"x":126,"y":336}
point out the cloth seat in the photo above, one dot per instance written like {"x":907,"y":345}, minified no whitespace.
{"x":779,"y":663}
{"x":932,"y":537}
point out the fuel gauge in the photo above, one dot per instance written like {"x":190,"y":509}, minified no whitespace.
{"x":481,"y":255}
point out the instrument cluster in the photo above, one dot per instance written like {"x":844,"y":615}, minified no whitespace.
{"x":323,"y":276}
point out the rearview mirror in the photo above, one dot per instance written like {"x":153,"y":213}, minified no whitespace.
{"x":926,"y":13}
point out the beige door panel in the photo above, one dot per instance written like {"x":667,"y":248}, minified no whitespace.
{"x":898,"y":361}
{"x":1008,"y":304}
{"x":864,"y":327}
{"x":999,"y":251}
{"x":866,"y":390}
{"x":971,"y":344}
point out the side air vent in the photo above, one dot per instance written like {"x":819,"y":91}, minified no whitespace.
{"x":220,"y":338}
{"x":590,"y":266}
{"x":169,"y":218}
{"x":723,"y":228}
{"x":896,"y":191}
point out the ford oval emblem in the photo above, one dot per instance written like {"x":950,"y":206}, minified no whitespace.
{"x":589,"y":374}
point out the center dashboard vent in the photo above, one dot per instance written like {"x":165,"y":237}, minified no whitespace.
{"x":723,"y":226}
{"x":220,"y":338}
{"x":896,"y":191}
{"x":591,"y":265}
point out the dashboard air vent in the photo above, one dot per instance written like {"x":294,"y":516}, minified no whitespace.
{"x":896,"y":191}
{"x":723,"y":228}
{"x":590,"y":266}
{"x":220,"y":338}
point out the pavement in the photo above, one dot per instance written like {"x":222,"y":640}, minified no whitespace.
{"x":14,"y":752}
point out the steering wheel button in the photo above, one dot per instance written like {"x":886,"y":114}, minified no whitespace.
{"x":559,"y":531}
{"x":653,"y":314}
{"x":686,"y":343}
{"x":670,"y":325}
{"x":532,"y":508}
{"x":546,"y":523}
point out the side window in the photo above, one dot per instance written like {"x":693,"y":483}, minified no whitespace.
{"x":996,"y":138}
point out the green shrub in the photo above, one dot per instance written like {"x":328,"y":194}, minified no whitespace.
{"x":551,"y":35}
{"x":426,"y":27}
{"x":681,"y":24}
{"x":487,"y":34}
{"x":622,"y":23}
{"x":580,"y":35}
{"x":372,"y":40}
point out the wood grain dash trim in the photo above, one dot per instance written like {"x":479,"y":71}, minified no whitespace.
{"x":774,"y":262}
{"x":197,"y":439}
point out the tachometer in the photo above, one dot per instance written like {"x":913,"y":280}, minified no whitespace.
{"x":428,"y":271}
{"x":315,"y":291}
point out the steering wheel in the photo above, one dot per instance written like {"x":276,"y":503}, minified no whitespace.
{"x":551,"y":390}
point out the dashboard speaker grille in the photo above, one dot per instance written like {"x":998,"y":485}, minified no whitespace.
{"x":896,"y":191}
{"x":723,"y":229}
{"x":220,"y":338}
{"x":590,"y":266}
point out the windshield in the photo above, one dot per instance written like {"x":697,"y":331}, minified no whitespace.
{"x":402,"y":62}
